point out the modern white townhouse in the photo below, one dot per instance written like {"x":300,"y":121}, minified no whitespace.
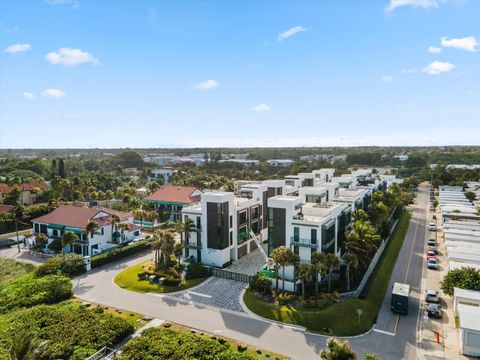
{"x":306,"y":212}
{"x":75,"y":219}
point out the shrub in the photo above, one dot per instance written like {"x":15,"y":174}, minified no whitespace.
{"x":196,"y":270}
{"x":261,"y":284}
{"x":71,"y":331}
{"x":11,"y":269}
{"x":69,"y":264}
{"x":29,"y":290}
{"x":464,"y":278}
{"x":171,"y":281}
{"x":156,"y":343}
{"x":119,"y":253}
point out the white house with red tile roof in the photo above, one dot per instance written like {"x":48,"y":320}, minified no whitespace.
{"x":173,"y":199}
{"x":28,"y":191}
{"x":75,"y":219}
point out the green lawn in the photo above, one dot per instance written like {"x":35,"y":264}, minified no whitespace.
{"x":342,"y":317}
{"x":128,"y":279}
{"x":11,"y":269}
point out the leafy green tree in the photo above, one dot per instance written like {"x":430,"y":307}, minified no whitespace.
{"x":463,"y":278}
{"x":178,"y":251}
{"x":337,"y":350}
{"x":471,"y":196}
{"x":61,"y":168}
{"x":370,"y":356}
{"x":13,"y":197}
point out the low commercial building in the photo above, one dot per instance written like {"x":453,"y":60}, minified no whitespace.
{"x":467,"y":309}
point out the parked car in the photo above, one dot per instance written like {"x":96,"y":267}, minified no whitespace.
{"x":431,"y":254}
{"x":432,"y":248}
{"x":434,"y":311}
{"x":432,"y":296}
{"x":432,"y":264}
{"x":432,"y":226}
{"x":432,"y":242}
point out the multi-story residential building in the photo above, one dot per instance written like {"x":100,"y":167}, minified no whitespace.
{"x":75,"y":219}
{"x":173,"y":198}
{"x":164,"y":174}
{"x":307,"y":212}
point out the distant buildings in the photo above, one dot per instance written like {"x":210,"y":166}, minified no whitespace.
{"x":164,"y":174}
{"x":28,"y":191}
{"x":173,"y":198}
{"x":401,"y":157}
{"x":281,"y":162}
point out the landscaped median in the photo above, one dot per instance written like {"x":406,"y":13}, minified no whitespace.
{"x":129,"y":279}
{"x":341,"y":319}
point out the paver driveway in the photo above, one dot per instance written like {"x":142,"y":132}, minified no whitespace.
{"x":217,"y":292}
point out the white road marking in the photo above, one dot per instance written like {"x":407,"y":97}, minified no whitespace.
{"x":384,"y":332}
{"x":199,"y":294}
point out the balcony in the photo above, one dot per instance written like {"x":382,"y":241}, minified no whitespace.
{"x":303,"y":242}
{"x":193,"y":244}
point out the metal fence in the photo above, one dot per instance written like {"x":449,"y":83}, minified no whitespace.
{"x":230,"y":275}
{"x":103,"y":353}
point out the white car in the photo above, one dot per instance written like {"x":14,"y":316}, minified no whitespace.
{"x":432,"y":226}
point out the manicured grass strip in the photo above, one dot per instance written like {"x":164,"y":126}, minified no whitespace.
{"x":128,"y":279}
{"x":341,"y":318}
{"x":11,"y":269}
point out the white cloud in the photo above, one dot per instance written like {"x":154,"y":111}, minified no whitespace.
{"x":53,"y":93}
{"x":409,"y":71}
{"x":261,"y":108}
{"x":75,"y":3}
{"x":387,"y":78}
{"x":289,"y":33}
{"x":468,"y":43}
{"x":438,"y":67}
{"x":434,"y":50}
{"x":70,"y":57}
{"x":13,"y":49}
{"x":28,"y":96}
{"x":207,"y":85}
{"x":394,"y":4}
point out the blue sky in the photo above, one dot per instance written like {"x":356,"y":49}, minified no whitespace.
{"x":239,"y":73}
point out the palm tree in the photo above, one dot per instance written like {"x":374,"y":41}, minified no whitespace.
{"x":18,"y":215}
{"x":318,"y":263}
{"x":40,"y":239}
{"x":26,"y":237}
{"x":187,"y":227}
{"x":337,"y":350}
{"x":351,"y":260}
{"x":274,"y":261}
{"x":114,"y":219}
{"x":178,"y":251}
{"x":332,"y":263}
{"x":91,"y":228}
{"x":167,"y":245}
{"x":284,"y":257}
{"x":155,"y":240}
{"x":305,"y":274}
{"x":26,"y":346}
{"x":68,"y":238}
{"x":123,"y":227}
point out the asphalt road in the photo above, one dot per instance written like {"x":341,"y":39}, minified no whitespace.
{"x":97,"y":286}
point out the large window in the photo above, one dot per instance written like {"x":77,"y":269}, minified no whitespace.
{"x":242,"y":218}
{"x":328,"y":237}
{"x":313,"y":236}
{"x":217,"y":225}
{"x":296,"y":234}
{"x":276,"y":228}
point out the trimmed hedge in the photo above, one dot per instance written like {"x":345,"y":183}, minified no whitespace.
{"x":119,"y":253}
{"x":29,"y":290}
{"x":69,"y":264}
{"x":196,"y":270}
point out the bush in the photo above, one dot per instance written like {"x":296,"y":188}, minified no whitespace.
{"x":71,"y":331}
{"x":261,"y":284}
{"x":171,"y":281}
{"x":29,"y":290}
{"x":464,"y":278}
{"x":69,"y":264}
{"x":196,"y":270}
{"x":119,"y":253}
{"x":156,"y":343}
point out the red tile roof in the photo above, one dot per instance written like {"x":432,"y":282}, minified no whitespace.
{"x":175,"y":194}
{"x":4,"y":188}
{"x":5,"y":208}
{"x":74,"y":216}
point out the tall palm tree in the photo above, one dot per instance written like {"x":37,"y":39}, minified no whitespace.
{"x":283,"y":257}
{"x":178,"y":251}
{"x":274,"y":261}
{"x":18,"y":215}
{"x":41,"y":239}
{"x":114,"y":219}
{"x":319,"y":267}
{"x":68,"y":238}
{"x":305,"y":274}
{"x":155,"y":241}
{"x":332,"y":263}
{"x":123,"y":227}
{"x":26,"y":238}
{"x":167,"y":246}
{"x":185,"y":228}
{"x":337,"y":350}
{"x":26,"y":346}
{"x":351,"y":261}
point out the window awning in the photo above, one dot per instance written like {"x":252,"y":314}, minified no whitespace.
{"x":73,"y":229}
{"x":55,"y":227}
